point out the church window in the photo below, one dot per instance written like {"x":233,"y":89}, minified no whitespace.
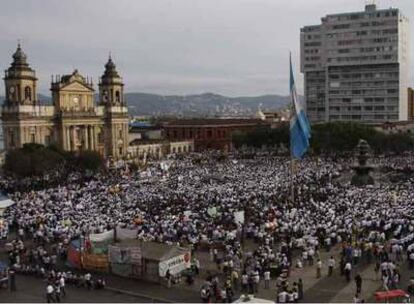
{"x":28,"y":93}
{"x":117,"y":96}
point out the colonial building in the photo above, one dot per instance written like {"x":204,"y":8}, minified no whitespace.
{"x":210,"y":134}
{"x":74,"y":121}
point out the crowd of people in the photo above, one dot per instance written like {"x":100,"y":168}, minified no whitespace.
{"x":194,"y":200}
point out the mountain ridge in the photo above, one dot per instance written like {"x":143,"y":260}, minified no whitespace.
{"x":205,"y":104}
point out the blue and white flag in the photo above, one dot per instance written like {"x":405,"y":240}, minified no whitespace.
{"x":300,"y":131}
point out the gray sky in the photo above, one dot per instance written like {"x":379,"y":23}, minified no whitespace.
{"x":231,"y":47}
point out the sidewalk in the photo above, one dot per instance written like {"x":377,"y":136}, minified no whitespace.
{"x":177,"y":293}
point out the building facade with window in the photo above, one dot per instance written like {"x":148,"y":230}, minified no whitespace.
{"x":355,"y":66}
{"x":74,"y":121}
{"x":210,"y":134}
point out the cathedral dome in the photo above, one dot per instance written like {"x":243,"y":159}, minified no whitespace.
{"x":19,"y":64}
{"x":19,"y":56}
{"x":110,"y":69}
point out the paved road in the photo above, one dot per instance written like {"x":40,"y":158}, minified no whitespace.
{"x":32,"y":290}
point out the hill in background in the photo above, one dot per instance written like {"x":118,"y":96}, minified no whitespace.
{"x":207,"y":104}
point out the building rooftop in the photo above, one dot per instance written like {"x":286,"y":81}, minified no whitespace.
{"x":140,"y":124}
{"x":213,"y":122}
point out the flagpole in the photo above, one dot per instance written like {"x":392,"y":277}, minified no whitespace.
{"x":300,"y":131}
{"x":292,"y":184}
{"x":292,"y":112}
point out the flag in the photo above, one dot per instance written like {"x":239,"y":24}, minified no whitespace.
{"x":300,"y":131}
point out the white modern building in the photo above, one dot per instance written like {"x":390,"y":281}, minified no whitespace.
{"x":355,"y":66}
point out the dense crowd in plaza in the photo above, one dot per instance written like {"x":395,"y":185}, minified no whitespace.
{"x":194,"y":201}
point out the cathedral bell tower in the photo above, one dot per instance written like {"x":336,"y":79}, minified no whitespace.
{"x":111,"y":97}
{"x":23,"y":119}
{"x":20,"y":81}
{"x":111,"y":88}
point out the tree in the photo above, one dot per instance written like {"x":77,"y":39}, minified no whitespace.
{"x":33,"y":160}
{"x":327,"y":138}
{"x":89,"y":160}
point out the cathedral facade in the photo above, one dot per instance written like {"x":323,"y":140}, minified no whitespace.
{"x":75,"y":121}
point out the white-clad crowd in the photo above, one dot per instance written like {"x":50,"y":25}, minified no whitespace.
{"x":196,"y":199}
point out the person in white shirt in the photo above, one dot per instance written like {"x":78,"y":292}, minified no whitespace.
{"x":311,"y":254}
{"x":411,"y":258}
{"x":245,"y":281}
{"x":256,"y":281}
{"x":318,"y":268}
{"x":88,"y":280}
{"x":295,"y":295}
{"x":49,"y":293}
{"x":331,"y":265}
{"x":267,"y":278}
{"x":62,"y":285}
{"x":290,"y":297}
{"x":348,"y":268}
{"x":385,"y":281}
{"x":282,"y":297}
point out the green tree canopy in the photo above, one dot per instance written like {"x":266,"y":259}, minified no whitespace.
{"x":333,"y":137}
{"x":38,"y":160}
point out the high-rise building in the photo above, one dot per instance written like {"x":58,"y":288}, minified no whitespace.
{"x":410,"y":104}
{"x":74,"y":122}
{"x":355,"y":66}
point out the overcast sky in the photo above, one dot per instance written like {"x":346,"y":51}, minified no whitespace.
{"x":231,"y":47}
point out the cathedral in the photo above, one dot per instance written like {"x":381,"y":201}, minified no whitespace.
{"x":75,"y":121}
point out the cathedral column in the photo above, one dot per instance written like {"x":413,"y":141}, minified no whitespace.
{"x":67,"y":130}
{"x":86,"y":137}
{"x":95,"y":136}
{"x":74,"y":141}
{"x":40,"y":138}
{"x":91,"y":137}
{"x":114,"y":142}
{"x":64,"y":138}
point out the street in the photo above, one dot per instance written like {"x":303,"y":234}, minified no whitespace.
{"x":32,"y":290}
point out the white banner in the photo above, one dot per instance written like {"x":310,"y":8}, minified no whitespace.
{"x":212,"y":211}
{"x":126,"y":234}
{"x":175,"y":265}
{"x":239,"y":217}
{"x":101,"y":237}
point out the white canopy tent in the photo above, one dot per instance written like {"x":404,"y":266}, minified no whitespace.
{"x":5,"y":202}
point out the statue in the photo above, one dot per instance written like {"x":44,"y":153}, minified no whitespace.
{"x":362,"y":170}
